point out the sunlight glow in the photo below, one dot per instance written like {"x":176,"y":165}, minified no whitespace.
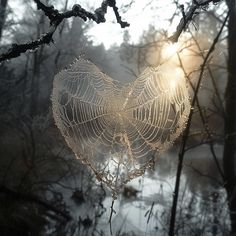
{"x":111,"y":34}
{"x":173,"y":83}
{"x":177,"y":78}
{"x":120,"y":126}
{"x":170,"y":50}
{"x":179,"y":73}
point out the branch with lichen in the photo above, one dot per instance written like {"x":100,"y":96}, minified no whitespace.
{"x":188,"y":16}
{"x":55,"y":17}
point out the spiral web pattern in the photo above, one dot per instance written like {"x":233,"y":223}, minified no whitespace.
{"x":117,"y":129}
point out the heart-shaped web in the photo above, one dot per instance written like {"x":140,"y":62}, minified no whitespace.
{"x":116,"y":129}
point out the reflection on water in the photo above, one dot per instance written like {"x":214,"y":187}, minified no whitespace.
{"x":144,"y":207}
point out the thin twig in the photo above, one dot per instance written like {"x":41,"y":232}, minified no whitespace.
{"x":112,"y":211}
{"x":205,"y":124}
{"x":186,"y":133}
{"x":188,"y":17}
{"x":55,"y":17}
{"x":33,"y":199}
{"x":150,"y":213}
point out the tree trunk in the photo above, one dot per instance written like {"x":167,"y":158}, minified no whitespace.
{"x":3,"y":5}
{"x":37,"y":62}
{"x":35,"y":85}
{"x":229,"y":154}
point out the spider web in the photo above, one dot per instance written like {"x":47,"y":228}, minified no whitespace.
{"x":117,"y":129}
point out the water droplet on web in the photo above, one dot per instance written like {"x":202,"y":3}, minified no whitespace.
{"x":113,"y":129}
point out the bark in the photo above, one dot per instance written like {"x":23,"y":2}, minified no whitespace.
{"x":3,"y":5}
{"x":229,"y":154}
{"x":56,"y":18}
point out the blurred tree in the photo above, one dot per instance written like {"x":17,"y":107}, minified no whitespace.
{"x":25,"y":89}
{"x":229,"y":156}
{"x":34,"y":159}
{"x":56,"y":18}
{"x":3,"y":6}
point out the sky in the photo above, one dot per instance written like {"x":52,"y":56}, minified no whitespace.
{"x":140,"y":15}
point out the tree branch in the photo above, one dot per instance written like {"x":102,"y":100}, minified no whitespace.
{"x":189,"y":15}
{"x":33,"y":199}
{"x":186,"y":132}
{"x":55,"y":17}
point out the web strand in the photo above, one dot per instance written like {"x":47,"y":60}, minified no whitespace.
{"x":116,"y":130}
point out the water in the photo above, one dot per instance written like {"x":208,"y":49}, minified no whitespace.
{"x":147,"y":211}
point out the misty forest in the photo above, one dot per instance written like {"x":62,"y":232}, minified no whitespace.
{"x":118,"y":117}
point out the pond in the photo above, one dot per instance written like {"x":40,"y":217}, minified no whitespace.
{"x":144,"y":206}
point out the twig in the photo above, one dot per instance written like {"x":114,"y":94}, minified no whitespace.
{"x":204,"y":122}
{"x":112,"y":211}
{"x":55,"y":17}
{"x":211,"y":76}
{"x":204,"y":175}
{"x":150,"y":213}
{"x":188,"y":17}
{"x":32,"y":199}
{"x":186,"y":133}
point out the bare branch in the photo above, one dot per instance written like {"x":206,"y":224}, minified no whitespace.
{"x":186,"y":132}
{"x":202,"y":116}
{"x":56,"y":18}
{"x":33,"y":199}
{"x":188,"y":16}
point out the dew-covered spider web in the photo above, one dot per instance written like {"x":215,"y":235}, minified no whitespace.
{"x":116,"y":129}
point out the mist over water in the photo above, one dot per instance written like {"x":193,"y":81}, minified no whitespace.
{"x":43,"y":184}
